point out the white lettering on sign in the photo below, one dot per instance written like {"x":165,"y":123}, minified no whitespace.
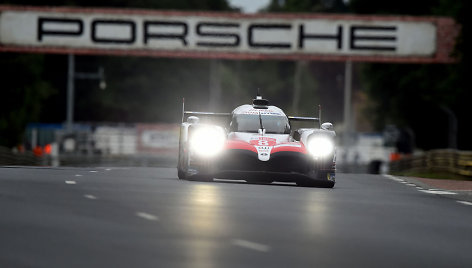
{"x":212,"y":32}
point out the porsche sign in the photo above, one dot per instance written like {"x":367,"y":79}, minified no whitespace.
{"x":226,"y":35}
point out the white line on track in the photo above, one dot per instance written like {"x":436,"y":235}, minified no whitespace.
{"x":93,"y":171}
{"x":78,"y":175}
{"x":225,"y":180}
{"x":250,"y":245}
{"x":437,"y":192}
{"x":89,"y":196}
{"x":70,"y":182}
{"x":107,"y":169}
{"x":147,"y":216}
{"x":393,"y":178}
{"x":455,"y":190}
{"x":428,"y":191}
{"x":465,"y":203}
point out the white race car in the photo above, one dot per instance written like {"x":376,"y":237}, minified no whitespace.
{"x":255,"y":143}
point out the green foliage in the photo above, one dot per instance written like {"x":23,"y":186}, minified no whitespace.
{"x":23,"y":92}
{"x":150,"y":89}
{"x":139,"y":89}
{"x":416,"y":96}
{"x":398,"y":7}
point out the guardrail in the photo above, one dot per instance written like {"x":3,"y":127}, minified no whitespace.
{"x":166,"y":158}
{"x":9,"y":158}
{"x":445,"y":160}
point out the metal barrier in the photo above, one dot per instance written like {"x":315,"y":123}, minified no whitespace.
{"x":445,"y":160}
{"x":162,"y":159}
{"x":9,"y":158}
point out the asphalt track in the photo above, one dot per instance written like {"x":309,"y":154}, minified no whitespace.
{"x":146,"y":217}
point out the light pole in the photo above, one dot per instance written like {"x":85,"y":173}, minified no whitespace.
{"x":71,"y":76}
{"x":70,"y":92}
{"x":347,"y":103}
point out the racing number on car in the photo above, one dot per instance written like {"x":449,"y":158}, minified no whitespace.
{"x":263,"y":143}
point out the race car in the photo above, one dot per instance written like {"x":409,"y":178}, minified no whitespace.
{"x":255,"y":143}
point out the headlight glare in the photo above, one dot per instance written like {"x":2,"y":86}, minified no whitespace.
{"x":320,"y":146}
{"x":207,"y":141}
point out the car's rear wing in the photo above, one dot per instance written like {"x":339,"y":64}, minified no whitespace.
{"x":307,"y":119}
{"x":190,"y":113}
{"x":222,"y":115}
{"x":303,"y":118}
{"x":205,"y":114}
{"x":208,"y":114}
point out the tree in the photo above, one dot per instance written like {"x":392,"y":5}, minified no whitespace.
{"x":23,"y":93}
{"x":415,"y":95}
{"x":140,"y":89}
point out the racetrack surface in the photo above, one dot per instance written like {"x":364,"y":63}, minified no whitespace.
{"x":146,"y":217}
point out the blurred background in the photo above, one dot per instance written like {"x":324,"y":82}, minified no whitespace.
{"x":127,"y":109}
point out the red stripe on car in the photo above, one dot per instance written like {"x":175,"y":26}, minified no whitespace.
{"x":240,"y":145}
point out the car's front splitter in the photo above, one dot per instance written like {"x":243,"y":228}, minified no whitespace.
{"x":282,"y":167}
{"x":267,"y":176}
{"x":319,"y":178}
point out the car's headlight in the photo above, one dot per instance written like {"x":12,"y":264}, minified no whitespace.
{"x":207,"y":141}
{"x":320,"y":146}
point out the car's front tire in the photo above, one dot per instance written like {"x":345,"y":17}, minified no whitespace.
{"x":316,"y":183}
{"x":200,"y":177}
{"x":181,"y":174}
{"x":322,"y":180}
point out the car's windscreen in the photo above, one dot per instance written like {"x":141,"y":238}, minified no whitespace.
{"x":250,"y":123}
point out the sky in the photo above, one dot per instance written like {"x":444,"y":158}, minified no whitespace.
{"x":249,"y":6}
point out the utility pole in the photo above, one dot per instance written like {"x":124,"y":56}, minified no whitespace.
{"x":70,"y":93}
{"x":71,"y":76}
{"x":347,"y":103}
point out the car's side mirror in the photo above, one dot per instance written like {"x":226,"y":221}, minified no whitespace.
{"x":296,"y":135}
{"x":193,"y":119}
{"x":327,"y":126}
